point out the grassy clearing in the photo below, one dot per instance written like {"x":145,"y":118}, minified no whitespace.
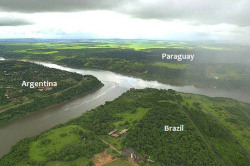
{"x":53,"y":141}
{"x":43,"y":52}
{"x":78,"y":162}
{"x":129,"y":118}
{"x":33,"y":51}
{"x":213,"y":48}
{"x":118,"y":163}
{"x":171,"y":65}
{"x":113,"y":153}
{"x":114,"y":141}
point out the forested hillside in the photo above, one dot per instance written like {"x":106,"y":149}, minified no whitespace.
{"x":215,"y":133}
{"x":17,"y":100}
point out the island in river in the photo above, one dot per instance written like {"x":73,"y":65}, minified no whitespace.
{"x":130,"y":130}
{"x":27,"y":87}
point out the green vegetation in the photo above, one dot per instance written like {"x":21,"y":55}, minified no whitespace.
{"x":166,"y":147}
{"x":127,"y":118}
{"x":53,"y":141}
{"x":170,"y":65}
{"x":113,"y":153}
{"x":214,"y":65}
{"x":231,"y":114}
{"x":209,"y":137}
{"x":64,"y":144}
{"x":78,"y":162}
{"x":118,"y":163}
{"x":17,"y":100}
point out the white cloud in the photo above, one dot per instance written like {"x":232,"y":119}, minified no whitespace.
{"x":109,"y":24}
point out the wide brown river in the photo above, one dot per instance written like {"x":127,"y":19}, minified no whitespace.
{"x":114,"y":85}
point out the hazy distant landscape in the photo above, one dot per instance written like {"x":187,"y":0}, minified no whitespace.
{"x":215,"y":65}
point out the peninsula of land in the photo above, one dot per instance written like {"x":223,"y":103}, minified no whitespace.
{"x":17,"y":100}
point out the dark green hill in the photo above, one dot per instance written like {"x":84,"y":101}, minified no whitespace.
{"x":209,"y":138}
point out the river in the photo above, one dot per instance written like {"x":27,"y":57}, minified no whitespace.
{"x":114,"y":85}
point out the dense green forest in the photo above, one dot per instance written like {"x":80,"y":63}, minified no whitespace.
{"x":216,"y":132}
{"x":17,"y":100}
{"x":215,"y":64}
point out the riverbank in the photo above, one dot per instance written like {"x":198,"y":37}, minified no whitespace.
{"x":114,"y":85}
{"x":27,"y":100}
{"x":42,"y":104}
{"x":213,"y":91}
{"x":138,"y":111}
{"x":166,"y":73}
{"x":140,"y":83}
{"x":39,"y":121}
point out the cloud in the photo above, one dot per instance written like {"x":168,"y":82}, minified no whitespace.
{"x":150,"y":19}
{"x":34,"y":6}
{"x":10,"y":21}
{"x":197,"y":12}
{"x":109,"y":24}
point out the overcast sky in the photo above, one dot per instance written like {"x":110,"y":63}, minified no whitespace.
{"x":222,"y":20}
